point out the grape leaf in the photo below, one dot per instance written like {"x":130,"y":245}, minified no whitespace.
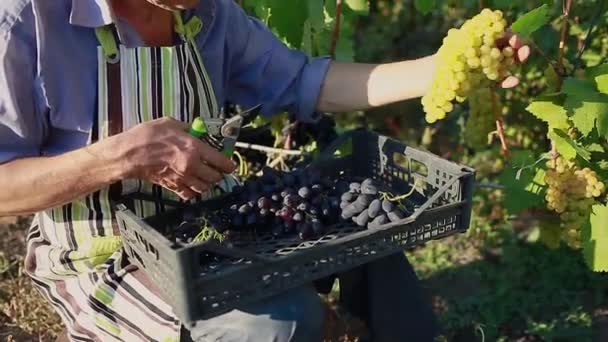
{"x":599,"y":74}
{"x":567,"y":147}
{"x":524,"y":184}
{"x":531,"y":21}
{"x":552,"y":78}
{"x":595,"y":245}
{"x":549,"y":109}
{"x":316,"y":14}
{"x":595,"y":148}
{"x":360,"y":7}
{"x":576,"y":87}
{"x":287,"y":18}
{"x":424,"y":6}
{"x":588,"y":109}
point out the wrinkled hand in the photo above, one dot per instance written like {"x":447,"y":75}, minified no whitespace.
{"x":162,"y":152}
{"x":522,"y":52}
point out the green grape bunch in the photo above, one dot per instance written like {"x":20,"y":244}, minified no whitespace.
{"x":481,"y":121}
{"x":571,"y":193}
{"x":467,"y":60}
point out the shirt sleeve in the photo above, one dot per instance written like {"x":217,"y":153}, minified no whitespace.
{"x":264,"y":70}
{"x":21,"y":128}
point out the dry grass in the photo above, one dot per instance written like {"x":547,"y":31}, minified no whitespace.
{"x":24,"y":314}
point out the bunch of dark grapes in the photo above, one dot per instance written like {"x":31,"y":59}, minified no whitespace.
{"x":365,"y":205}
{"x":296,"y":203}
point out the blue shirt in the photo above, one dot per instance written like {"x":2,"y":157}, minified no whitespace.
{"x":48,"y":69}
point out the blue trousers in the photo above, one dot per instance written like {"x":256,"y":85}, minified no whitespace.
{"x":385,"y":294}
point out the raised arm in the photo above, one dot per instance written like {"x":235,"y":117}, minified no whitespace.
{"x":356,"y":86}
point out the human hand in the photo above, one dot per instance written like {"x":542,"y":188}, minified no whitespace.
{"x":162,"y":152}
{"x":521,"y":54}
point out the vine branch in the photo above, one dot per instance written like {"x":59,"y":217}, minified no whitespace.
{"x":499,"y":124}
{"x":592,"y":25}
{"x":336,"y":34}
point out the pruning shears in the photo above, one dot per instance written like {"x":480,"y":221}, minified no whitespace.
{"x":223,"y":133}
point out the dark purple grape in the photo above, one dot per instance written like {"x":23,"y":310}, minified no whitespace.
{"x":326,"y":210}
{"x":347,"y":197}
{"x":277,"y":231}
{"x":355,"y":187}
{"x":286,"y":213}
{"x":378,"y":221}
{"x":276,"y":197}
{"x":292,"y":200}
{"x":317,"y":227}
{"x":298,"y":216}
{"x":245,"y":208}
{"x":286,"y":192}
{"x":238,"y":220}
{"x":314,"y":211}
{"x":289,"y":179}
{"x":395,"y":215}
{"x":234,"y":207}
{"x":374,"y":208}
{"x":348,"y":212}
{"x":361,"y":203}
{"x":252,"y":219}
{"x":387,"y":206}
{"x":263,"y":203}
{"x":317,"y":188}
{"x":317,"y":201}
{"x":289,"y":227}
{"x":362,"y":219}
{"x":303,"y":206}
{"x":264,"y":212}
{"x":304,"y":231}
{"x":304,"y":192}
{"x":268,"y":188}
{"x":369,"y":189}
{"x":334,"y":202}
{"x":252,"y":186}
{"x":342,"y":187}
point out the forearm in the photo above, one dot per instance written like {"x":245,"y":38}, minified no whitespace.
{"x":33,"y":184}
{"x":356,"y":86}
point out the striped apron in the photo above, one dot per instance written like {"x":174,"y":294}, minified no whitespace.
{"x":74,"y":251}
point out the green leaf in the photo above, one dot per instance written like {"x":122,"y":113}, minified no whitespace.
{"x":531,"y":21}
{"x":549,"y":109}
{"x":567,"y":147}
{"x":287,"y":20}
{"x":599,"y":74}
{"x":524,"y":183}
{"x":576,"y":87}
{"x":589,"y":109}
{"x":424,"y":6}
{"x":595,"y":148}
{"x":552,"y":78}
{"x":595,"y":245}
{"x":316,"y":14}
{"x":360,"y":7}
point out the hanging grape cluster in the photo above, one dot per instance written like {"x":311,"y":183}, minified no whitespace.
{"x":468,"y":58}
{"x":481,"y":121}
{"x":571,"y":193}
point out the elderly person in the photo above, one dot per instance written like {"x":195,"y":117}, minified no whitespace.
{"x":95,"y":98}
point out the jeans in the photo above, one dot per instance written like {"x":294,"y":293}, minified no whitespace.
{"x":385,"y":294}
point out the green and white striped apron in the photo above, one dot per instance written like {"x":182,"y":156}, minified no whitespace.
{"x":74,"y":251}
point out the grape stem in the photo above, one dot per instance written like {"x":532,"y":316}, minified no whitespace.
{"x":566,"y":7}
{"x":336,"y":34}
{"x":499,"y":124}
{"x":267,"y":149}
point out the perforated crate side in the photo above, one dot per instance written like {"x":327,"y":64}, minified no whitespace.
{"x":152,"y":252}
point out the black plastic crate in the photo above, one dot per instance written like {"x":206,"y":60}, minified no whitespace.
{"x":258,"y":268}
